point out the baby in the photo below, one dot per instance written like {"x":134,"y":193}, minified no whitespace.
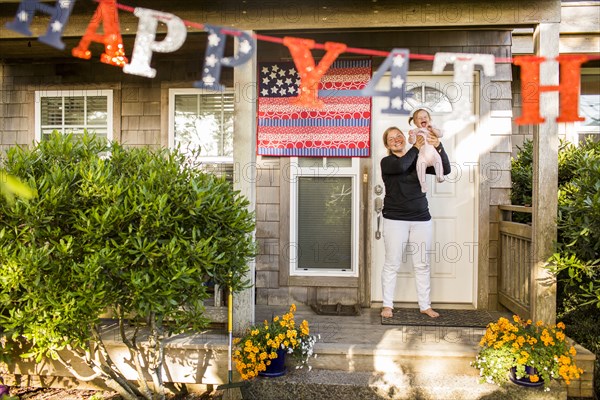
{"x":428,"y":155}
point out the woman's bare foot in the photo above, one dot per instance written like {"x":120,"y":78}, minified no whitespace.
{"x":386,"y":312}
{"x":430,"y":312}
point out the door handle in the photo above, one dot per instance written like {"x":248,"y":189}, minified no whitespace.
{"x":378,"y":209}
{"x":378,"y":204}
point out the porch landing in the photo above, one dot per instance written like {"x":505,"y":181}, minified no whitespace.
{"x":357,"y":358}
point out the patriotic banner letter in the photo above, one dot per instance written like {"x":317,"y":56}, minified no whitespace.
{"x":463,"y":75}
{"x":59,"y":16}
{"x":397,"y":62}
{"x":114,"y":52}
{"x":309,"y":74}
{"x":570,"y":67}
{"x":213,"y":58}
{"x":145,"y":43}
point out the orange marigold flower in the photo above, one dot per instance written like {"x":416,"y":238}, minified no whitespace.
{"x":560,"y":325}
{"x":534,"y":378}
{"x":572,"y":351}
{"x":564,"y":360}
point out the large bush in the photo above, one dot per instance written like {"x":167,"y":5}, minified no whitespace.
{"x":576,"y":262}
{"x":134,"y":231}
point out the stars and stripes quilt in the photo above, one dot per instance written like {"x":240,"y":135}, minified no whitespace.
{"x":340,"y":129}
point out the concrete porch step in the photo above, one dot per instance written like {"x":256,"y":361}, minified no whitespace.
{"x":354,"y":354}
{"x":327,"y":384}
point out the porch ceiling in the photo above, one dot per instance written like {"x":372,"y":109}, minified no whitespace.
{"x":329,"y":15}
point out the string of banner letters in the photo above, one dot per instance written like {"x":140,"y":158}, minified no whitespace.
{"x":395,"y":63}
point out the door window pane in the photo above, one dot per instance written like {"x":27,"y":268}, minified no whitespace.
{"x":325,"y":223}
{"x":430,"y":97}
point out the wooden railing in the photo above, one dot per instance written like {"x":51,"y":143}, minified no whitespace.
{"x":515,"y":261}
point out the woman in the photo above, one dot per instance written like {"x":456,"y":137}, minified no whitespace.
{"x":406,"y":217}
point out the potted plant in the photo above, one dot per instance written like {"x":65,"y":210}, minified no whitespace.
{"x":262,"y":350}
{"x":527,"y":353}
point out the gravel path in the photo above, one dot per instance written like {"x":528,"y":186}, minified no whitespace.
{"x":35,"y":393}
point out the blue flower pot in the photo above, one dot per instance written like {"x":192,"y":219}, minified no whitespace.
{"x":524,"y":381}
{"x":277,"y":366}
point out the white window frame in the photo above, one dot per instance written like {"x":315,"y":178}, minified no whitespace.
{"x":339,"y":172}
{"x":73,"y":93}
{"x":183,"y":91}
{"x":572,"y":130}
{"x":594,"y":130}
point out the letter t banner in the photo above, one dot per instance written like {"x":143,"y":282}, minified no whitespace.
{"x":570,"y":67}
{"x":59,"y":16}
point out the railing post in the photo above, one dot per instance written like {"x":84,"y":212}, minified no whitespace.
{"x":545,"y":178}
{"x":244,"y":157}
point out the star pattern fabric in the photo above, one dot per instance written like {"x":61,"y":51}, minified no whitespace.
{"x":214,"y":60}
{"x":397,"y":64}
{"x":340,"y":129}
{"x":59,"y":16}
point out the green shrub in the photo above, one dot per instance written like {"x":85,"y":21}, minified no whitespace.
{"x":522,"y":175}
{"x":576,"y":262}
{"x":131,"y":230}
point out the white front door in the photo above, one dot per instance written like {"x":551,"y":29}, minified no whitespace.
{"x":453,"y":203}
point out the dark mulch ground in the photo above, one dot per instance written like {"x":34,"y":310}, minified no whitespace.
{"x":33,"y":393}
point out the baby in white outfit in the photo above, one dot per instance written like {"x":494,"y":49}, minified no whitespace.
{"x":428,"y":155}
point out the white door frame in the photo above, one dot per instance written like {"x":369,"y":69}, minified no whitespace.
{"x":467,"y":171}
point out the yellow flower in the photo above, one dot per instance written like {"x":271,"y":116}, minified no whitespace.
{"x":258,"y":347}
{"x":506,"y":344}
{"x":564,"y":360}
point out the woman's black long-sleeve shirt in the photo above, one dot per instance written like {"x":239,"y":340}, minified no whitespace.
{"x":403,"y":197}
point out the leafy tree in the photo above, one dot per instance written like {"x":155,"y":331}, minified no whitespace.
{"x":134,"y":231}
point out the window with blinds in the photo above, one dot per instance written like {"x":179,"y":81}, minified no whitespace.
{"x":203,"y":121}
{"x":324,"y":210}
{"x":73,"y":112}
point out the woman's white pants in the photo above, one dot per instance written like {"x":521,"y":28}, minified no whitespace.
{"x":405,"y":239}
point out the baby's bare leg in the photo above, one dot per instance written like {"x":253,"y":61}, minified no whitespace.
{"x":422,"y":173}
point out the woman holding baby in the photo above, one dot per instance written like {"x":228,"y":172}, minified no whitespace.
{"x":406,"y":218}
